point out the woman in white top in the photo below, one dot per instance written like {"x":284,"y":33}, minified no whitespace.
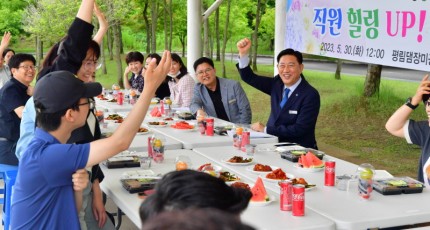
{"x":181,"y":83}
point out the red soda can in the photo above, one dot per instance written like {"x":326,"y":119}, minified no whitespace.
{"x":329,"y":173}
{"x":245,"y":140}
{"x":209,"y":126}
{"x":286,"y":197}
{"x":150,"y":153}
{"x":120,"y":98}
{"x":298,"y":200}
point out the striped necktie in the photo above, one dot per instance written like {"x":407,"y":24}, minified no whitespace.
{"x":284,"y":97}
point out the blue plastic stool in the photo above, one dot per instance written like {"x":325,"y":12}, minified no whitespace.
{"x":3,"y":169}
{"x":9,"y":182}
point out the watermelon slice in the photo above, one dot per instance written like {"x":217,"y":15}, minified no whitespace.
{"x":305,"y":162}
{"x":154,"y":111}
{"x":259,"y":193}
{"x":313,"y":161}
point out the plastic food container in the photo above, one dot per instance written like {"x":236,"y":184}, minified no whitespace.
{"x":294,"y":155}
{"x":398,"y":185}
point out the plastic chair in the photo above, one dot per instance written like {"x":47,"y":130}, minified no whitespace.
{"x":3,"y":169}
{"x":9,"y":182}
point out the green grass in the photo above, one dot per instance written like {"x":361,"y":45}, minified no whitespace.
{"x":347,"y":120}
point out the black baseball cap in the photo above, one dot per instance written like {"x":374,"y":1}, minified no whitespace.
{"x":59,"y":90}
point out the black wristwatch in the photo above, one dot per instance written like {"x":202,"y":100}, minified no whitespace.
{"x":409,"y":104}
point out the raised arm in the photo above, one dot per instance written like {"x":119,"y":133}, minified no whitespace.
{"x":103,"y":24}
{"x":86,"y":10}
{"x":3,"y":45}
{"x":243,"y":47}
{"x":121,"y":139}
{"x":397,"y":121}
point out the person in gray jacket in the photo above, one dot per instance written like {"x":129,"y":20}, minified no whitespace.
{"x":218,"y":97}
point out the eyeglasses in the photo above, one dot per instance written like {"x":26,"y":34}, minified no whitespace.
{"x":91,"y":64}
{"x":28,"y":67}
{"x":206,"y":71}
{"x":427,"y":103}
{"x":91,"y":102}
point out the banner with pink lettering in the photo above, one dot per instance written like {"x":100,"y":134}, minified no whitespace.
{"x":386,"y":32}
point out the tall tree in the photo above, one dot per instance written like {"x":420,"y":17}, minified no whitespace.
{"x":261,"y":5}
{"x":224,"y":44}
{"x":338,"y":69}
{"x":373,"y":80}
{"x":217,"y":38}
{"x":166,"y":27}
{"x":147,"y":26}
{"x":154,"y":18}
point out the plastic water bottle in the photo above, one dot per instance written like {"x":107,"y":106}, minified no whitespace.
{"x":365,"y":173}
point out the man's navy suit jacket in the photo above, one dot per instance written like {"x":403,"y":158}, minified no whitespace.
{"x":296,"y":121}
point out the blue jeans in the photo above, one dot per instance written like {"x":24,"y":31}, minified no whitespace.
{"x":7,"y":152}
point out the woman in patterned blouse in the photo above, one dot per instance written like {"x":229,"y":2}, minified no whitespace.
{"x":181,"y":83}
{"x":134,"y":62}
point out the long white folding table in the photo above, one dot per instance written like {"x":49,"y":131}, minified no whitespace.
{"x":345,"y":208}
{"x":113,"y":107}
{"x":193,"y":139}
{"x":266,"y":217}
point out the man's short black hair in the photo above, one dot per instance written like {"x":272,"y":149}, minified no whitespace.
{"x":292,"y":52}
{"x":203,"y":60}
{"x":134,"y":56}
{"x":50,"y":121}
{"x":17,"y":59}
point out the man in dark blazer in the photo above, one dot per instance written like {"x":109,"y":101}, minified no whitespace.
{"x":294,"y":118}
{"x":218,"y":97}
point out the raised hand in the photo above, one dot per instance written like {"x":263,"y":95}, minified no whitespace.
{"x":155,"y":75}
{"x":243,"y":46}
{"x":5,"y":41}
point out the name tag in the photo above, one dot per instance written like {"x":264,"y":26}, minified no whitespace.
{"x":292,"y":111}
{"x":232,"y":101}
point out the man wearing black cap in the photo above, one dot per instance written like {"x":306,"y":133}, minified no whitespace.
{"x":415,"y":132}
{"x":43,"y":196}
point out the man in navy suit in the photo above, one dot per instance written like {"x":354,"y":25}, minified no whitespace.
{"x":295,"y":103}
{"x":218,"y":97}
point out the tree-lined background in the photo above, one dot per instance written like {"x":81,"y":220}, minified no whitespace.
{"x":148,"y":26}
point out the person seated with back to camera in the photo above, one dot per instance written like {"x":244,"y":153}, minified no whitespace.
{"x":179,"y":190}
{"x":195,"y":219}
{"x":218,"y":97}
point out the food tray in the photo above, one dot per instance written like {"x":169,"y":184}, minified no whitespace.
{"x":122,"y":162}
{"x":398,"y":185}
{"x":294,"y":154}
{"x":186,"y":116}
{"x":139,"y":185}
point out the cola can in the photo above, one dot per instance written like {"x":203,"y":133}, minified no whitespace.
{"x":245,"y":140}
{"x":286,"y":197}
{"x":298,"y":200}
{"x":329,"y":173}
{"x":120,"y":98}
{"x":209,"y":126}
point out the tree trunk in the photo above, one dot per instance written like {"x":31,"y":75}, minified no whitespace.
{"x":121,"y":45}
{"x":110,"y":43}
{"x":102,"y":58}
{"x":39,"y":50}
{"x":182,"y":38}
{"x":117,"y":51}
{"x":154,"y":16}
{"x":166,"y":28}
{"x":170,"y":24}
{"x":338,"y":69}
{"x":218,"y":54}
{"x":224,"y":45}
{"x":148,"y":28}
{"x":373,"y":79}
{"x":260,"y":8}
